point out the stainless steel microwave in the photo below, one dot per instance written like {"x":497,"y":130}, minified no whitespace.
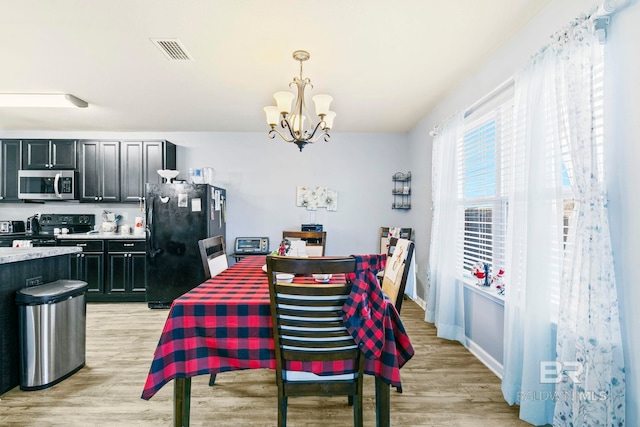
{"x":47,"y":185}
{"x":251,"y":245}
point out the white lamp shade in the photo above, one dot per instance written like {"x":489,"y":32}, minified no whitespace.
{"x":297,"y":122}
{"x":328,"y":119}
{"x":284,"y":99}
{"x":322,"y":103}
{"x":272,"y":114}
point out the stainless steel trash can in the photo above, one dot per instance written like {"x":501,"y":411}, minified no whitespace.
{"x":52,"y":328}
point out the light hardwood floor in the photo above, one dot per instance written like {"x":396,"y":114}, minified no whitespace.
{"x":444,"y":385}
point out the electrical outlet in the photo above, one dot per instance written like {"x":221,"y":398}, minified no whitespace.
{"x":34,"y":281}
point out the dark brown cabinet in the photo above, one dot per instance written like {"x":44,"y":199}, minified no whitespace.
{"x":87,"y":265}
{"x":114,"y":269}
{"x":48,"y":154}
{"x":9,"y":166}
{"x":126,"y":272}
{"x":99,"y":171}
{"x":140,"y":161}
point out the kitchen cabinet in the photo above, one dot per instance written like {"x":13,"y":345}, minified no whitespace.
{"x":9,"y":165}
{"x":14,"y":276}
{"x":88,"y":265}
{"x":99,"y":171}
{"x":48,"y":154}
{"x":126,"y":269}
{"x":140,"y":161}
{"x":115,"y":269}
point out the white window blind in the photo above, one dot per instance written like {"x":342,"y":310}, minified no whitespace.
{"x":482,"y":166}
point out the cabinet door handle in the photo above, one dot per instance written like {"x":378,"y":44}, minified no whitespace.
{"x":95,"y":198}
{"x":81,"y":244}
{"x":128,"y":244}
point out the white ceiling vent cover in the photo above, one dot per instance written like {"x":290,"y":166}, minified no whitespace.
{"x":172,"y":49}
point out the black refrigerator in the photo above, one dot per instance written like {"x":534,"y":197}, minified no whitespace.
{"x":177,"y":216}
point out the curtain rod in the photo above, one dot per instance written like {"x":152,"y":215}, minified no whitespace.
{"x":495,"y":92}
{"x":470,"y":109}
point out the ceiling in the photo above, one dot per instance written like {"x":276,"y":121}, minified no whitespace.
{"x":386,"y":63}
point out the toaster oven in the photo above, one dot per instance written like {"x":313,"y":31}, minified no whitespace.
{"x":251,"y":245}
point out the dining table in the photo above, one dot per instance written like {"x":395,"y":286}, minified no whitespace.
{"x":224,"y":324}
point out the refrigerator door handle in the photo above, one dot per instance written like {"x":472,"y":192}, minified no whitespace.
{"x":153,"y":251}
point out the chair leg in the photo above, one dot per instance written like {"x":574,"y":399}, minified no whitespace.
{"x":282,"y":411}
{"x":212,"y":380}
{"x":350,"y":400}
{"x":357,"y":410}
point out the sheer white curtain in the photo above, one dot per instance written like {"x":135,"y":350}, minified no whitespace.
{"x":534,"y":242}
{"x":588,"y":326}
{"x":445,"y":294}
{"x":557,"y":141}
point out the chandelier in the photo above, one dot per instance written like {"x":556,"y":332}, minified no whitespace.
{"x":292,"y":121}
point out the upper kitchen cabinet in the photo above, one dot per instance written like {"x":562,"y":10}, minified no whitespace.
{"x":9,"y":166}
{"x":99,"y":171}
{"x":140,"y":161}
{"x":48,"y":154}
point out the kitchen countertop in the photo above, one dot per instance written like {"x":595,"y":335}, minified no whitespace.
{"x":11,"y":255}
{"x":100,"y":236}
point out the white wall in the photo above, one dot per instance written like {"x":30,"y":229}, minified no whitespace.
{"x":261,"y":176}
{"x":622,"y":129}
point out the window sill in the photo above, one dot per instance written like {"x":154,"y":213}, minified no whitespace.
{"x":488,"y":292}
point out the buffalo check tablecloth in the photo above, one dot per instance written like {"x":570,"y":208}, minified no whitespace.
{"x":224,"y":324}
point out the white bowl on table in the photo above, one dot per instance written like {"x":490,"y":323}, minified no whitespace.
{"x":322,"y":278}
{"x":284,"y":277}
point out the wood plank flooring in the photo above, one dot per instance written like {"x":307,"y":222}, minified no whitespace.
{"x":444,"y":385}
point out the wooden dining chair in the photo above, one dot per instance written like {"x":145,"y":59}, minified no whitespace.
{"x":308,"y":326}
{"x":213,"y":255}
{"x":396,"y":272}
{"x":214,"y":261}
{"x":315,"y":240}
{"x":385,"y":246}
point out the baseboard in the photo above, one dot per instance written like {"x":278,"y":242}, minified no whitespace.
{"x":422,"y":303}
{"x":488,"y":360}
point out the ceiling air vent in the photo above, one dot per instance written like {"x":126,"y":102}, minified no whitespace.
{"x":172,"y":49}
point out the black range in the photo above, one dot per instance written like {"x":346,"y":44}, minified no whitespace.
{"x":42,"y":228}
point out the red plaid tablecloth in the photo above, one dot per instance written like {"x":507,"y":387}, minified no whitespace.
{"x":225,"y":324}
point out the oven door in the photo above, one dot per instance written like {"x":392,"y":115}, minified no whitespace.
{"x":46,"y":185}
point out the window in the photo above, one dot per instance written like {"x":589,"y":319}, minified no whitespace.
{"x":483,"y":156}
{"x":482,"y":163}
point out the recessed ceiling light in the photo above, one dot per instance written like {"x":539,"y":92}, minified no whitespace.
{"x":47,"y":100}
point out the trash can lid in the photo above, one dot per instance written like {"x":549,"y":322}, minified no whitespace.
{"x":51,"y":292}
